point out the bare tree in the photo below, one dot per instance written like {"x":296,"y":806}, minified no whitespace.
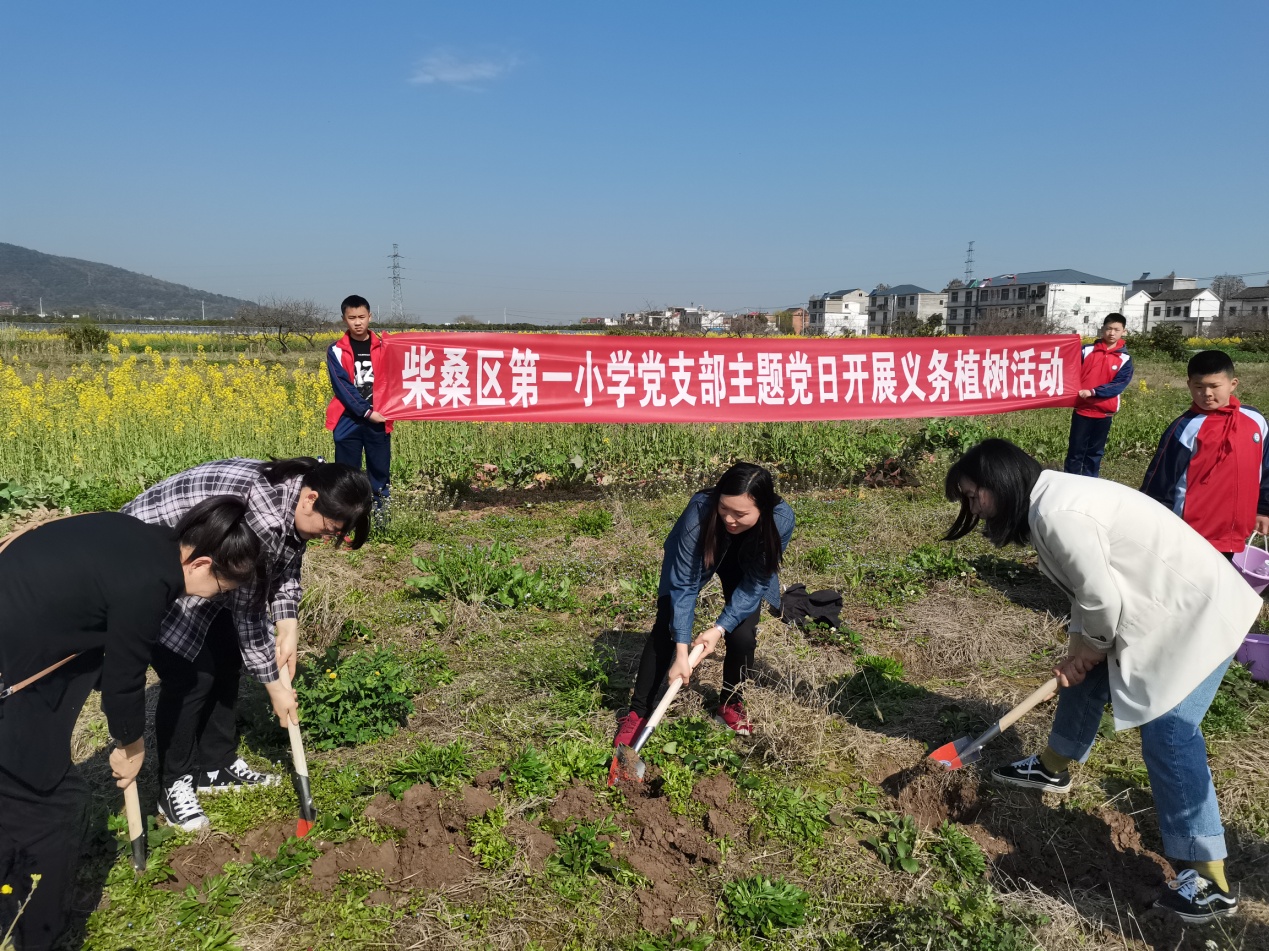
{"x":281,"y":319}
{"x":994,"y":323}
{"x":1226,"y":286}
{"x":749,"y":325}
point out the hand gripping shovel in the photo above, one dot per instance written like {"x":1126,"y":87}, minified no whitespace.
{"x":136,"y":827}
{"x":964,"y":751}
{"x":308,"y":814}
{"x":626,"y":761}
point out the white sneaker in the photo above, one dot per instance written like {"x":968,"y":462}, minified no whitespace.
{"x":235,"y":776}
{"x":179,"y":805}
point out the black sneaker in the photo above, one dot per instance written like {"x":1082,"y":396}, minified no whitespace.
{"x":1193,"y":898}
{"x":1030,"y":773}
{"x":180,"y":807}
{"x":235,"y":776}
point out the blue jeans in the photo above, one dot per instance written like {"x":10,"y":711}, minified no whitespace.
{"x":1087,"y":445}
{"x":1176,"y":759}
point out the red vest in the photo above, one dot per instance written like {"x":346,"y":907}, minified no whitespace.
{"x":1099,"y":368}
{"x":335,"y":408}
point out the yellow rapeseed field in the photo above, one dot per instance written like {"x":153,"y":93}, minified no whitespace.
{"x":146,"y":415}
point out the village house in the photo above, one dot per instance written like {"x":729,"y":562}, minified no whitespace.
{"x":1073,"y":300}
{"x":837,"y":313}
{"x":902,"y":305}
{"x":1247,"y":303}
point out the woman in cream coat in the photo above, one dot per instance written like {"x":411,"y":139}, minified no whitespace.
{"x":1156,"y":617}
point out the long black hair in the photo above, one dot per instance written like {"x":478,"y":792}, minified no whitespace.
{"x":1009,"y":474}
{"x":217,"y":528}
{"x":343,"y":493}
{"x":762,"y":542}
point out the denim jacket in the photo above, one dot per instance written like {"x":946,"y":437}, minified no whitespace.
{"x":683,"y":573}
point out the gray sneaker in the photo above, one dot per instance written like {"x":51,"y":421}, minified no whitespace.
{"x":1030,"y":773}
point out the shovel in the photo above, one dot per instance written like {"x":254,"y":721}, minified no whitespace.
{"x":308,"y":813}
{"x":136,"y":827}
{"x":964,"y":751}
{"x":626,"y":761}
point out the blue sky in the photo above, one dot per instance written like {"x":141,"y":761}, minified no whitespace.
{"x":579,"y":159}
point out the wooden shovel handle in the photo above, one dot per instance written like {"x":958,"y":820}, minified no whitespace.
{"x":132,"y":809}
{"x":1038,"y":696}
{"x":670,"y":693}
{"x":298,"y":758}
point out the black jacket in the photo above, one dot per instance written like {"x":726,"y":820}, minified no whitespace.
{"x":97,"y":584}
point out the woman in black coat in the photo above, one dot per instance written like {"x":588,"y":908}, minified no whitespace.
{"x":90,"y":590}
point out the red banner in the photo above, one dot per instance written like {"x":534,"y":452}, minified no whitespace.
{"x":573,"y":378}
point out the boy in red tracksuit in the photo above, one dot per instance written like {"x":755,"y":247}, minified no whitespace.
{"x":1211,"y":466}
{"x":352,"y":362}
{"x":1105,"y":373}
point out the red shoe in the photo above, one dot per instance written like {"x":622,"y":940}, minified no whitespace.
{"x":628,"y":729}
{"x":732,"y":715}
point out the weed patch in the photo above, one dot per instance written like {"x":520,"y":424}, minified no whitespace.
{"x":1237,"y":702}
{"x":593,"y":522}
{"x":876,"y":692}
{"x":587,"y":849}
{"x":696,"y":743}
{"x":489,"y":576}
{"x":763,"y":906}
{"x":895,"y":840}
{"x":966,"y":919}
{"x":794,"y":815}
{"x":360,"y":697}
{"x":489,"y":842}
{"x":445,"y":767}
{"x":957,"y":853}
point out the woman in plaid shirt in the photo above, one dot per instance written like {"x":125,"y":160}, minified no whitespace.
{"x":204,"y":645}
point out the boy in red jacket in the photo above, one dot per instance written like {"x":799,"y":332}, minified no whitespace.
{"x":1106,"y":372}
{"x":352,"y":362}
{"x":1210,"y":467}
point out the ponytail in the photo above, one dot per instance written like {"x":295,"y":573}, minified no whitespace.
{"x":344,"y":494}
{"x":217,"y":528}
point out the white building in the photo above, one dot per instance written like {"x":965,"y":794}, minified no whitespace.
{"x":1136,"y":311}
{"x":902,"y":303}
{"x":837,"y":313}
{"x":1194,"y":309}
{"x":1073,"y":300}
{"x":1247,"y":303}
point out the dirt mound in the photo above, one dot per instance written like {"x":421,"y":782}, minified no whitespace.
{"x":715,"y":791}
{"x":433,"y":848}
{"x":663,"y":901}
{"x":577,"y":802}
{"x":192,"y":863}
{"x":433,"y":852}
{"x":537,"y":845}
{"x":932,"y":795}
{"x":1059,"y":850}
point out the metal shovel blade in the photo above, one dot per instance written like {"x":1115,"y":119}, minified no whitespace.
{"x":953,"y":756}
{"x":628,"y":764}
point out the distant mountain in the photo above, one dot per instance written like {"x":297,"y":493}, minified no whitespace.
{"x":72,"y":286}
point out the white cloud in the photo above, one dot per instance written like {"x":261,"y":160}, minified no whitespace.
{"x":450,"y":70}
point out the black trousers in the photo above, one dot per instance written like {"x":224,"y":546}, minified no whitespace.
{"x":658,"y":650}
{"x":41,"y":832}
{"x":195,"y":722}
{"x":1087,"y":444}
